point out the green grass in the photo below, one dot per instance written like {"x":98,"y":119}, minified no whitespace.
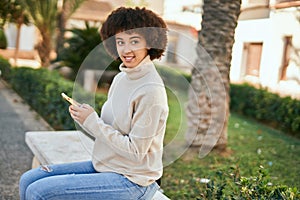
{"x":250,"y":145}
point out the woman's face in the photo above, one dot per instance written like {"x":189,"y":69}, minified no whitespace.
{"x":132,"y":48}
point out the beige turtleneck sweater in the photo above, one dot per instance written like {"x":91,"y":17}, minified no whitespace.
{"x":129,"y":134}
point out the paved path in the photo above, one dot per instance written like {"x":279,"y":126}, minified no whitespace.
{"x":15,"y":157}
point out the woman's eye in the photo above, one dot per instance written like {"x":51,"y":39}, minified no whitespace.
{"x":120,"y":43}
{"x":134,"y":42}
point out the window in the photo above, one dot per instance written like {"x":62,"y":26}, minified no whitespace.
{"x":253,"y":53}
{"x":286,"y":56}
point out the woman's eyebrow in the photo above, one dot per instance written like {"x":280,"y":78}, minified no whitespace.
{"x":135,"y":37}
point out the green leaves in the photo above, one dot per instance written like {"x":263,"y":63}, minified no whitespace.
{"x":41,"y":89}
{"x":227,"y":184}
{"x":84,"y":49}
{"x":283,"y":113}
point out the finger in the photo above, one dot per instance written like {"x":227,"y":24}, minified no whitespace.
{"x":76,"y":118}
{"x":71,"y":111}
{"x":75,"y":108}
{"x":84,"y":105}
{"x":72,"y":115}
{"x":72,"y":107}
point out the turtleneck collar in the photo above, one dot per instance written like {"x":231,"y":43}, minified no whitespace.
{"x":140,"y":70}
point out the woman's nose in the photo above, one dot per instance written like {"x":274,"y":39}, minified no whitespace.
{"x":127,"y":49}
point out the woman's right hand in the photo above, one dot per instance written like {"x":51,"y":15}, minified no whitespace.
{"x":80,"y":113}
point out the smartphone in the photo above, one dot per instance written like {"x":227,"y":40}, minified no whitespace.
{"x":70,"y":100}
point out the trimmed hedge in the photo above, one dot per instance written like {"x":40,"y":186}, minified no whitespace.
{"x":270,"y":108}
{"x":3,"y":40}
{"x":42,"y":89}
{"x":5,"y":68}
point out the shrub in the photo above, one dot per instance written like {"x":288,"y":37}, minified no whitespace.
{"x":270,"y":108}
{"x":84,"y":49}
{"x":41,"y":89}
{"x":5,"y":68}
{"x":3,"y":40}
{"x":228,"y":184}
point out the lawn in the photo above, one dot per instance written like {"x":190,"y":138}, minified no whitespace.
{"x":251,"y":145}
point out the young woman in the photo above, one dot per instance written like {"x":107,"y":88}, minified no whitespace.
{"x":127,"y":155}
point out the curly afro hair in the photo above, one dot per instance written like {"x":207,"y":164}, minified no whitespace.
{"x":135,"y":20}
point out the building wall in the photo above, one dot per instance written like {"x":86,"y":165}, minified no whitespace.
{"x":155,"y":5}
{"x":181,"y":49}
{"x":27,"y":37}
{"x":271,"y":32}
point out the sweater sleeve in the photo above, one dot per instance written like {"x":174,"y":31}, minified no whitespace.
{"x":148,"y":120}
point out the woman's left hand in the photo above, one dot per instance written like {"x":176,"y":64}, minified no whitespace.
{"x":80,"y":113}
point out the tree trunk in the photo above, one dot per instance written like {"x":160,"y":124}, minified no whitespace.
{"x":61,"y":24}
{"x":44,"y":47}
{"x":16,"y":53}
{"x":208,"y":107}
{"x":19,"y":23}
{"x":60,"y":32}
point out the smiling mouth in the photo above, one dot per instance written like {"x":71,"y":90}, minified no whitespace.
{"x":128,"y":58}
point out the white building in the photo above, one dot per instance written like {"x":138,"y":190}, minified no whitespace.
{"x":267,"y":46}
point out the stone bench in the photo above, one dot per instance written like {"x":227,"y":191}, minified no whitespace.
{"x":54,"y":147}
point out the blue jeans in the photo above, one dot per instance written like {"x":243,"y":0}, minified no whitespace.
{"x":79,"y":181}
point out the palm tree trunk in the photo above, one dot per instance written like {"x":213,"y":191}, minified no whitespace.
{"x":16,"y":53}
{"x":44,"y":47}
{"x":61,"y":24}
{"x":208,"y":107}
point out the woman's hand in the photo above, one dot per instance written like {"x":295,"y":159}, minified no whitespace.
{"x":80,"y":113}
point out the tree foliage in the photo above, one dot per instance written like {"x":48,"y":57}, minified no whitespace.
{"x":85,"y":49}
{"x":12,"y":11}
{"x":43,"y":14}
